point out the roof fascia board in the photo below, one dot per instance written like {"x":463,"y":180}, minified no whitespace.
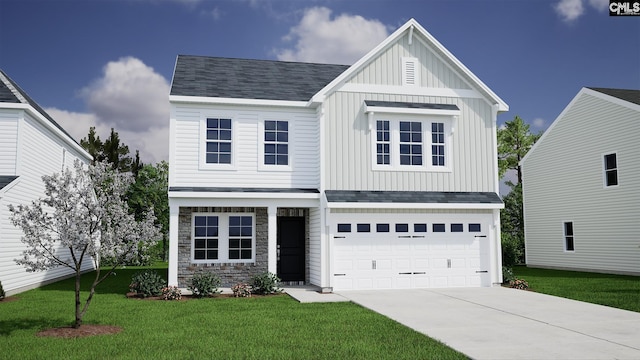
{"x":47,"y":124}
{"x":248,"y":202}
{"x":611,"y":99}
{"x":241,"y":195}
{"x":406,"y":90}
{"x":399,"y":110}
{"x":236,"y":101}
{"x":386,"y":205}
{"x":8,"y":187}
{"x":412,"y":23}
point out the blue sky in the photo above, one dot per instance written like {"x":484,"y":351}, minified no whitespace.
{"x":108,"y":63}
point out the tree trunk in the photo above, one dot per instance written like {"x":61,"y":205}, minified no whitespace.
{"x":79,"y":314}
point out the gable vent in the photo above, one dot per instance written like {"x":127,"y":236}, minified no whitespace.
{"x":410,"y":72}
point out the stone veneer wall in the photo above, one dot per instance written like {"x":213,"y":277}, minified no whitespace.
{"x":230,"y":273}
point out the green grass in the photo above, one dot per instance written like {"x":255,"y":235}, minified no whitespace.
{"x":275,"y":327}
{"x":617,"y":291}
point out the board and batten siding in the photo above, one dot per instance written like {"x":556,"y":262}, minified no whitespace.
{"x":386,"y":69}
{"x":185,"y":167}
{"x":8,"y":141}
{"x":40,"y":153}
{"x":349,"y":149}
{"x":564,"y":181}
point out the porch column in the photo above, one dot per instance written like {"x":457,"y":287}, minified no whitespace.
{"x":174,"y":211}
{"x":272,"y":235}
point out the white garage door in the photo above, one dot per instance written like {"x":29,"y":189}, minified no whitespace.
{"x":415,"y":252}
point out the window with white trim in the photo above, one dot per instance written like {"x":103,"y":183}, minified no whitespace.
{"x":218,"y":144}
{"x":568,"y":236}
{"x":223,"y":238}
{"x":413,"y":143}
{"x":610,"y":170}
{"x":276,"y":142}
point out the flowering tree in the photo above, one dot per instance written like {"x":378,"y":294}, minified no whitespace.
{"x":84,"y":217}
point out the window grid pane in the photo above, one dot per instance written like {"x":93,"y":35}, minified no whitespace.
{"x":568,"y":236}
{"x":611,"y":169}
{"x":205,"y":243}
{"x":437,"y":144}
{"x":276,"y":142}
{"x":383,"y":142}
{"x":411,"y":143}
{"x":218,"y":146}
{"x":240,"y":237}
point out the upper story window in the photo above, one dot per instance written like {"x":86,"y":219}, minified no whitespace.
{"x":218,"y":143}
{"x":568,"y":236}
{"x":412,"y":143}
{"x":610,"y":170}
{"x":276,"y":142}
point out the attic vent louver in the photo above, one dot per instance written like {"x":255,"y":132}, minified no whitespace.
{"x":410,"y":71}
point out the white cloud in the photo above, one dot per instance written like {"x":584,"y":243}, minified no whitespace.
{"x":539,"y":123}
{"x":131,"y":98}
{"x":341,"y":40}
{"x":570,"y":10}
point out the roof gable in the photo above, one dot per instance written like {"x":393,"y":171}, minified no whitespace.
{"x":632,"y":96}
{"x":413,"y":30}
{"x":250,"y":79}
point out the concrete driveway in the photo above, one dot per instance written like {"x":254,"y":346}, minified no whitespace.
{"x":501,"y":323}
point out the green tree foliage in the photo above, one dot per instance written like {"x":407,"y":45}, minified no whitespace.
{"x":93,"y":145}
{"x":149,"y":191}
{"x":514,"y":141}
{"x":112,"y":150}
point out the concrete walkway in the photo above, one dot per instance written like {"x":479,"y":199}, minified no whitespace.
{"x":501,"y":323}
{"x":311,"y":294}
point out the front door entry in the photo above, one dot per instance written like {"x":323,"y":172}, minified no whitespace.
{"x":291,"y":251}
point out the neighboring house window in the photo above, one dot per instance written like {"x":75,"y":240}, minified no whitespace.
{"x":437,"y":144}
{"x":223,"y":238}
{"x":276,"y":142}
{"x":218,"y":144}
{"x":383,"y":142}
{"x":610,"y":170}
{"x":568,"y":236}
{"x":411,"y":143}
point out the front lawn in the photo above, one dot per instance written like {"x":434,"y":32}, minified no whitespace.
{"x":617,"y":291}
{"x":275,"y":327}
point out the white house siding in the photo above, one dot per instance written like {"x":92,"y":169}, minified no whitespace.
{"x":185,"y":167}
{"x":8,"y":141}
{"x":315,"y":244}
{"x":349,"y":149}
{"x":563,"y":181}
{"x":386,"y":69}
{"x":40,"y":153}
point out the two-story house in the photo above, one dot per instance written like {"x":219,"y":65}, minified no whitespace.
{"x":32,"y":144}
{"x":378,"y":175}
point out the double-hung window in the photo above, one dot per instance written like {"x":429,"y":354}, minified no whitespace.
{"x":223,"y":238}
{"x":276,"y":142}
{"x":383,"y":142}
{"x":411,"y":143}
{"x":218,"y":144}
{"x":610,"y":170}
{"x":568,"y":236}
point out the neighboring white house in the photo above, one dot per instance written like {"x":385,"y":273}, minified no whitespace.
{"x":32,"y":144}
{"x":378,"y":175}
{"x":582,"y":186}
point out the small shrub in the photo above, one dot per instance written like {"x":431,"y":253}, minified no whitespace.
{"x":520,"y":284}
{"x":171,"y":293}
{"x":204,"y":284}
{"x":507,"y":275}
{"x":2,"y":294}
{"x":147,"y":283}
{"x":265,"y":284}
{"x":241,"y":290}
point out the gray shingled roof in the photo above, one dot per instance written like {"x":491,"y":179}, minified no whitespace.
{"x":632,"y":96}
{"x":7,"y":96}
{"x":412,"y":197}
{"x":250,"y":79}
{"x":406,"y":105}
{"x":6,"y":180}
{"x":242,"y":190}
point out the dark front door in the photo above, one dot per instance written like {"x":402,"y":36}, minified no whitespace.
{"x":291,"y":248}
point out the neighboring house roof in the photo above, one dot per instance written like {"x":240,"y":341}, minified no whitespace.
{"x":250,"y":79}
{"x":6,"y":180}
{"x":241,"y":190}
{"x":396,"y":104}
{"x":632,"y":96}
{"x":412,"y":197}
{"x":10,"y":92}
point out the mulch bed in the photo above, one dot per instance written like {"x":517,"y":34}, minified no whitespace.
{"x":83,"y":331}
{"x":9,"y":299}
